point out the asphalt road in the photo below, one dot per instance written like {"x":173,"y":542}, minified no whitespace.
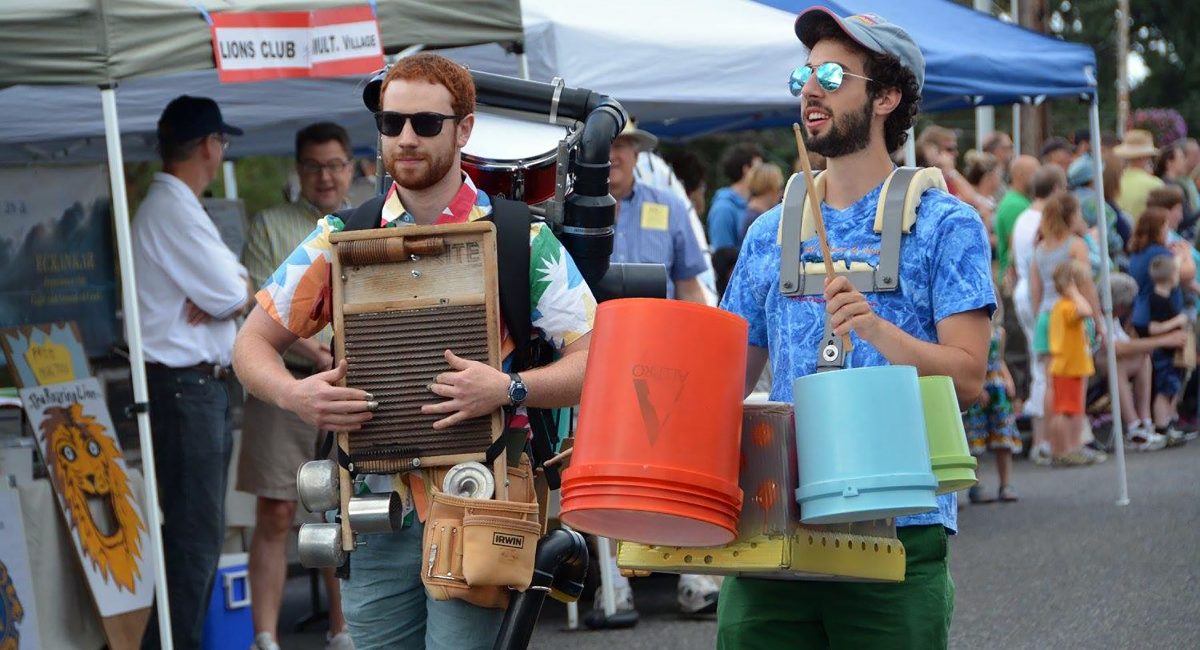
{"x":1063,"y":568}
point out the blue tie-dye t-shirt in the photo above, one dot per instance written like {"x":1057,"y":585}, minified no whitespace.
{"x":944,"y":270}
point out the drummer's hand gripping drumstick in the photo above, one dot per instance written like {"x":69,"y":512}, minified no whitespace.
{"x":815,"y":202}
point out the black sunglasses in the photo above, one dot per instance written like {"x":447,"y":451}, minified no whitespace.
{"x":425,"y":124}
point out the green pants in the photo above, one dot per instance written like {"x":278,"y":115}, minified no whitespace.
{"x":759,"y":614}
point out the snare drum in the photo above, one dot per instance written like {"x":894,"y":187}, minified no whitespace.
{"x":513,"y":158}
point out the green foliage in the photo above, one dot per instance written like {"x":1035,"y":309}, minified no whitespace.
{"x":1163,"y":32}
{"x":260,"y":180}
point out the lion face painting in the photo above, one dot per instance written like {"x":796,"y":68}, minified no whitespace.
{"x":11,"y":612}
{"x":95,"y":491}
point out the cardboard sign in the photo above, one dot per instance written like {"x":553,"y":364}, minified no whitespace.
{"x":251,"y":46}
{"x":87,"y":468}
{"x":44,"y":354}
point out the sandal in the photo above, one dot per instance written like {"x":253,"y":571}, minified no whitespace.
{"x":1008,"y":494}
{"x":975,"y":495}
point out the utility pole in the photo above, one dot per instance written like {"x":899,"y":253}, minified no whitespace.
{"x":1122,"y":65}
{"x":1033,"y":117}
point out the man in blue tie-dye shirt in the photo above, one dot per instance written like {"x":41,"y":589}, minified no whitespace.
{"x":859,"y":92}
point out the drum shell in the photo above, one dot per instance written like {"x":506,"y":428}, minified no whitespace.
{"x":660,"y":402}
{"x":861,"y":445}
{"x":532,"y":182}
{"x":768,"y":470}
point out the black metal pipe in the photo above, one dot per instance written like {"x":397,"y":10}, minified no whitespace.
{"x":590,"y":211}
{"x":534,"y":96}
{"x":560,"y":566}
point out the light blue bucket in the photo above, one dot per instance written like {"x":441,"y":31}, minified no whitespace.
{"x":861,"y":446}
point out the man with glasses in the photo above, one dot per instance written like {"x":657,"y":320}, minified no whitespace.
{"x":190,"y":288}
{"x":428,"y":106}
{"x":859,"y":91}
{"x":275,"y":442}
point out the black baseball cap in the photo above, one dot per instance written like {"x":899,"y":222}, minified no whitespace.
{"x":187,"y":118}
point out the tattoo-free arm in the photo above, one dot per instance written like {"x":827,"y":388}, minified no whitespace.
{"x":960,"y":353}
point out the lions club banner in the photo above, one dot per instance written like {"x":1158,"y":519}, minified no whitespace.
{"x":251,"y":46}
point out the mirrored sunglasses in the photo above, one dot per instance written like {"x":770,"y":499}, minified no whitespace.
{"x":425,"y":124}
{"x":829,"y":76}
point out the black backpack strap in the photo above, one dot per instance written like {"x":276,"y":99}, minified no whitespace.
{"x":365,"y":217}
{"x":512,"y":219}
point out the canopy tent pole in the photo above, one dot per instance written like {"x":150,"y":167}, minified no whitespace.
{"x":523,"y":65}
{"x":231,"y":188}
{"x":133,"y":335}
{"x":910,"y":148}
{"x":1016,"y":130}
{"x":1109,"y":324}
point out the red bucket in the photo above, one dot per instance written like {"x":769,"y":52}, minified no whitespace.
{"x":656,"y":451}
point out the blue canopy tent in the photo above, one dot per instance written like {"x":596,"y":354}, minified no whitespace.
{"x":971,"y":59}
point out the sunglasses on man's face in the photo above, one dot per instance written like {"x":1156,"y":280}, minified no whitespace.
{"x":425,"y":124}
{"x":829,"y":76}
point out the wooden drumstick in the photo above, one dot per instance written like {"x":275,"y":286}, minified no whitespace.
{"x":815,"y":202}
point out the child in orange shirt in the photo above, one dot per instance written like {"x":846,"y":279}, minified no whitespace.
{"x":1070,"y":364}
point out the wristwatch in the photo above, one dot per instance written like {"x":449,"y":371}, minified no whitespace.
{"x":517,"y":392}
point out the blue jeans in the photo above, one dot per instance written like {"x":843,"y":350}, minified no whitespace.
{"x":386,"y":605}
{"x":192,"y":429}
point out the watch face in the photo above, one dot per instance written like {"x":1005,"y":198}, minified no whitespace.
{"x":517,"y":391}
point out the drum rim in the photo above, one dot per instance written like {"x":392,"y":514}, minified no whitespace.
{"x":510,"y":164}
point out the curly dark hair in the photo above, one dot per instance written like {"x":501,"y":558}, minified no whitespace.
{"x":885,"y":71}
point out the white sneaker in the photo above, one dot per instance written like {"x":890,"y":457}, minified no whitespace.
{"x":1174,"y":436}
{"x":1040,"y":455}
{"x":623,"y":595}
{"x":264,"y":641}
{"x":697,"y":594}
{"x":339,"y":641}
{"x":1141,"y":437}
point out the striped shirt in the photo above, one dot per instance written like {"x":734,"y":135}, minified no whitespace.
{"x":272,"y":236}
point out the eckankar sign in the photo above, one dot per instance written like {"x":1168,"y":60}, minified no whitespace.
{"x":253,"y":46}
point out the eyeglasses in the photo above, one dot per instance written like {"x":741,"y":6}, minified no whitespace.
{"x":223,"y":139}
{"x":425,"y":124}
{"x":829,"y":77}
{"x":314,"y":168}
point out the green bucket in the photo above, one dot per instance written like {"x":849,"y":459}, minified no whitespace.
{"x":953,"y":464}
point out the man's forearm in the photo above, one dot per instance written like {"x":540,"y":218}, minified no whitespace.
{"x":901,"y":348}
{"x":557,"y":385}
{"x":690,"y":291}
{"x":260,"y":368}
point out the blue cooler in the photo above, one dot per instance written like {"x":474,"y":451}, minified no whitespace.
{"x":228,"y":624}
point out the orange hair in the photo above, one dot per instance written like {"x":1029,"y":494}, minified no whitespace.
{"x":439,"y":70}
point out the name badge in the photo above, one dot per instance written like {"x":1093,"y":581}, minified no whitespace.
{"x":654,"y":216}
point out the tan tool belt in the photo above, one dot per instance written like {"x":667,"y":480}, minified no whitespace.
{"x":477,"y":549}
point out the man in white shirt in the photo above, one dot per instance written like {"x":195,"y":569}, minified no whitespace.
{"x":190,"y":289}
{"x":1046,"y":181}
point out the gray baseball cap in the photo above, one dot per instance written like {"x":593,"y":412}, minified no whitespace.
{"x":868,"y":30}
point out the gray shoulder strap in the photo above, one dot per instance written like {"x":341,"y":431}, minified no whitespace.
{"x":792,"y":216}
{"x":887,"y":274}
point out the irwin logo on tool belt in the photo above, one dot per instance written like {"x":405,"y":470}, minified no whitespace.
{"x":658,"y":390}
{"x":503,"y":539}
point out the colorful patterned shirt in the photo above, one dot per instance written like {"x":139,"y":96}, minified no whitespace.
{"x":944,"y":270}
{"x":298,"y":294}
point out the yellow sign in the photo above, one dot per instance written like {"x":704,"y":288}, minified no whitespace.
{"x":50,"y":362}
{"x":654,"y":216}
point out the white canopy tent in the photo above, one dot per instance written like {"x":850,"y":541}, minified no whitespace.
{"x":101,"y":43}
